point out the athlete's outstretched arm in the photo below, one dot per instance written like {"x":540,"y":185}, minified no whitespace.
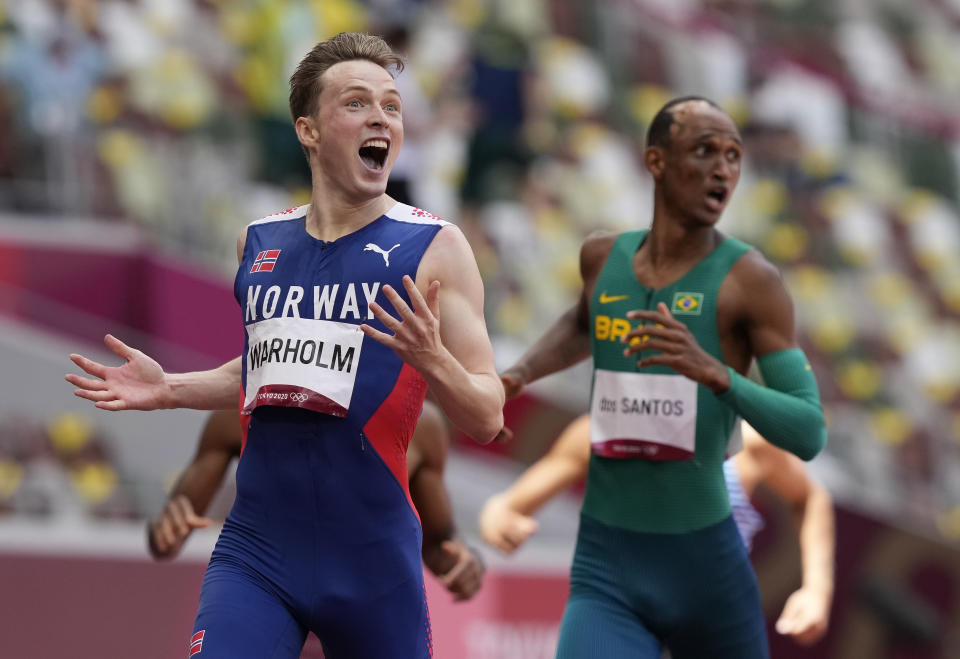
{"x":445,"y":336}
{"x":457,"y":566}
{"x":505,"y":521}
{"x":219,"y":443}
{"x":567,"y":341}
{"x":141,"y":384}
{"x":806,"y":614}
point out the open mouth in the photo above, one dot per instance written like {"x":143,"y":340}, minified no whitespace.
{"x":717,"y":197}
{"x":373,"y":153}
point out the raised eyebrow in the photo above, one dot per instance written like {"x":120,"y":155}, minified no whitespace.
{"x":708,"y":136}
{"x":353,"y":89}
{"x":364,"y":89}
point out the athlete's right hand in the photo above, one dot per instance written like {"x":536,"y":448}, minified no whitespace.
{"x":504,"y":528}
{"x":138,"y":384}
{"x":167,"y":532}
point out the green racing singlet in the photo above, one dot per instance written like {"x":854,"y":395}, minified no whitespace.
{"x":658,"y":438}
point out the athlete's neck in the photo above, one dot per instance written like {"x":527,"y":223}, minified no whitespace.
{"x":329,"y":218}
{"x":670,"y":242}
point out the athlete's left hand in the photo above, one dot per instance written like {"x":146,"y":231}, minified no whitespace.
{"x":416,"y":334}
{"x":465,"y":577}
{"x":805,"y":616}
{"x":169,"y":530}
{"x":677,"y":347}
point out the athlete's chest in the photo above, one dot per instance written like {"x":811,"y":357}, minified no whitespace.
{"x":700,"y":293}
{"x":275,"y":253}
{"x":288,"y":274}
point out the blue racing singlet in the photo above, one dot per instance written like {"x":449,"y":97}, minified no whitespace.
{"x":323,"y":535}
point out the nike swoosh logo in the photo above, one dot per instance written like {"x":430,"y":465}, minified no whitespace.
{"x":605,"y":299}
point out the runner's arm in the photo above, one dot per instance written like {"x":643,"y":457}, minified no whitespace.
{"x":140,"y":383}
{"x":567,"y":341}
{"x":219,"y":443}
{"x":786,"y":410}
{"x":806,"y":613}
{"x":505,"y":521}
{"x":444,"y":336}
{"x":454,"y":563}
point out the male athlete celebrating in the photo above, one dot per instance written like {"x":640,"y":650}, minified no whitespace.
{"x":322,"y":535}
{"x":658,"y":559}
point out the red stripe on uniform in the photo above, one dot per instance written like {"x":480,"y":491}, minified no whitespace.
{"x":271,"y":254}
{"x":267,"y":266}
{"x":391,"y":426}
{"x":197,"y":637}
{"x":244,"y":422}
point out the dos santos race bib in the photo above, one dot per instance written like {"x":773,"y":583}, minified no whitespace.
{"x":642,"y":416}
{"x":302,"y":362}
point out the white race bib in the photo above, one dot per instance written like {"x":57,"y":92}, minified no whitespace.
{"x":302,"y":362}
{"x":643,"y":416}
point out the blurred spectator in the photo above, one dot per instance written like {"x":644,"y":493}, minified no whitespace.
{"x":497,"y":153}
{"x":417,"y":121}
{"x":93,"y":475}
{"x":51,"y":72}
{"x":63,"y":471}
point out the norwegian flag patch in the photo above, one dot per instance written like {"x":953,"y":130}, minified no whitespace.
{"x":265,"y":260}
{"x":196,"y":642}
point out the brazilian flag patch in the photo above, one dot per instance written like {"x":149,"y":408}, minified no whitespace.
{"x":687,"y":303}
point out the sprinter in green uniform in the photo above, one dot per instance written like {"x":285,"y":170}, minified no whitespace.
{"x":673,"y":318}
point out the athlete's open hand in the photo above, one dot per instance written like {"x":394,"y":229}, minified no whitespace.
{"x":504,"y":528}
{"x":677,"y":347}
{"x":167,"y":532}
{"x":805,"y":616}
{"x":416,"y":335}
{"x":465,"y":577}
{"x":138,"y":384}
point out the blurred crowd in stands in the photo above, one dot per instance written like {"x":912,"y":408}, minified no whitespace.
{"x":524,"y":120}
{"x":61,"y":470}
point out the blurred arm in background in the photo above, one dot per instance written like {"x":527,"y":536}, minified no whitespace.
{"x":806,"y":613}
{"x":506,"y":520}
{"x":455,"y":564}
{"x":219,"y":443}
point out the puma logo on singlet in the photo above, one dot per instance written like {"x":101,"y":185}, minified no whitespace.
{"x":379,"y":250}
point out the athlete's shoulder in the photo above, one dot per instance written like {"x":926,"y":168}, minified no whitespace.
{"x":294,"y":213}
{"x":728,"y":242}
{"x":598,"y":236}
{"x":595,"y":248}
{"x":413,"y":215}
{"x":752,"y":267}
